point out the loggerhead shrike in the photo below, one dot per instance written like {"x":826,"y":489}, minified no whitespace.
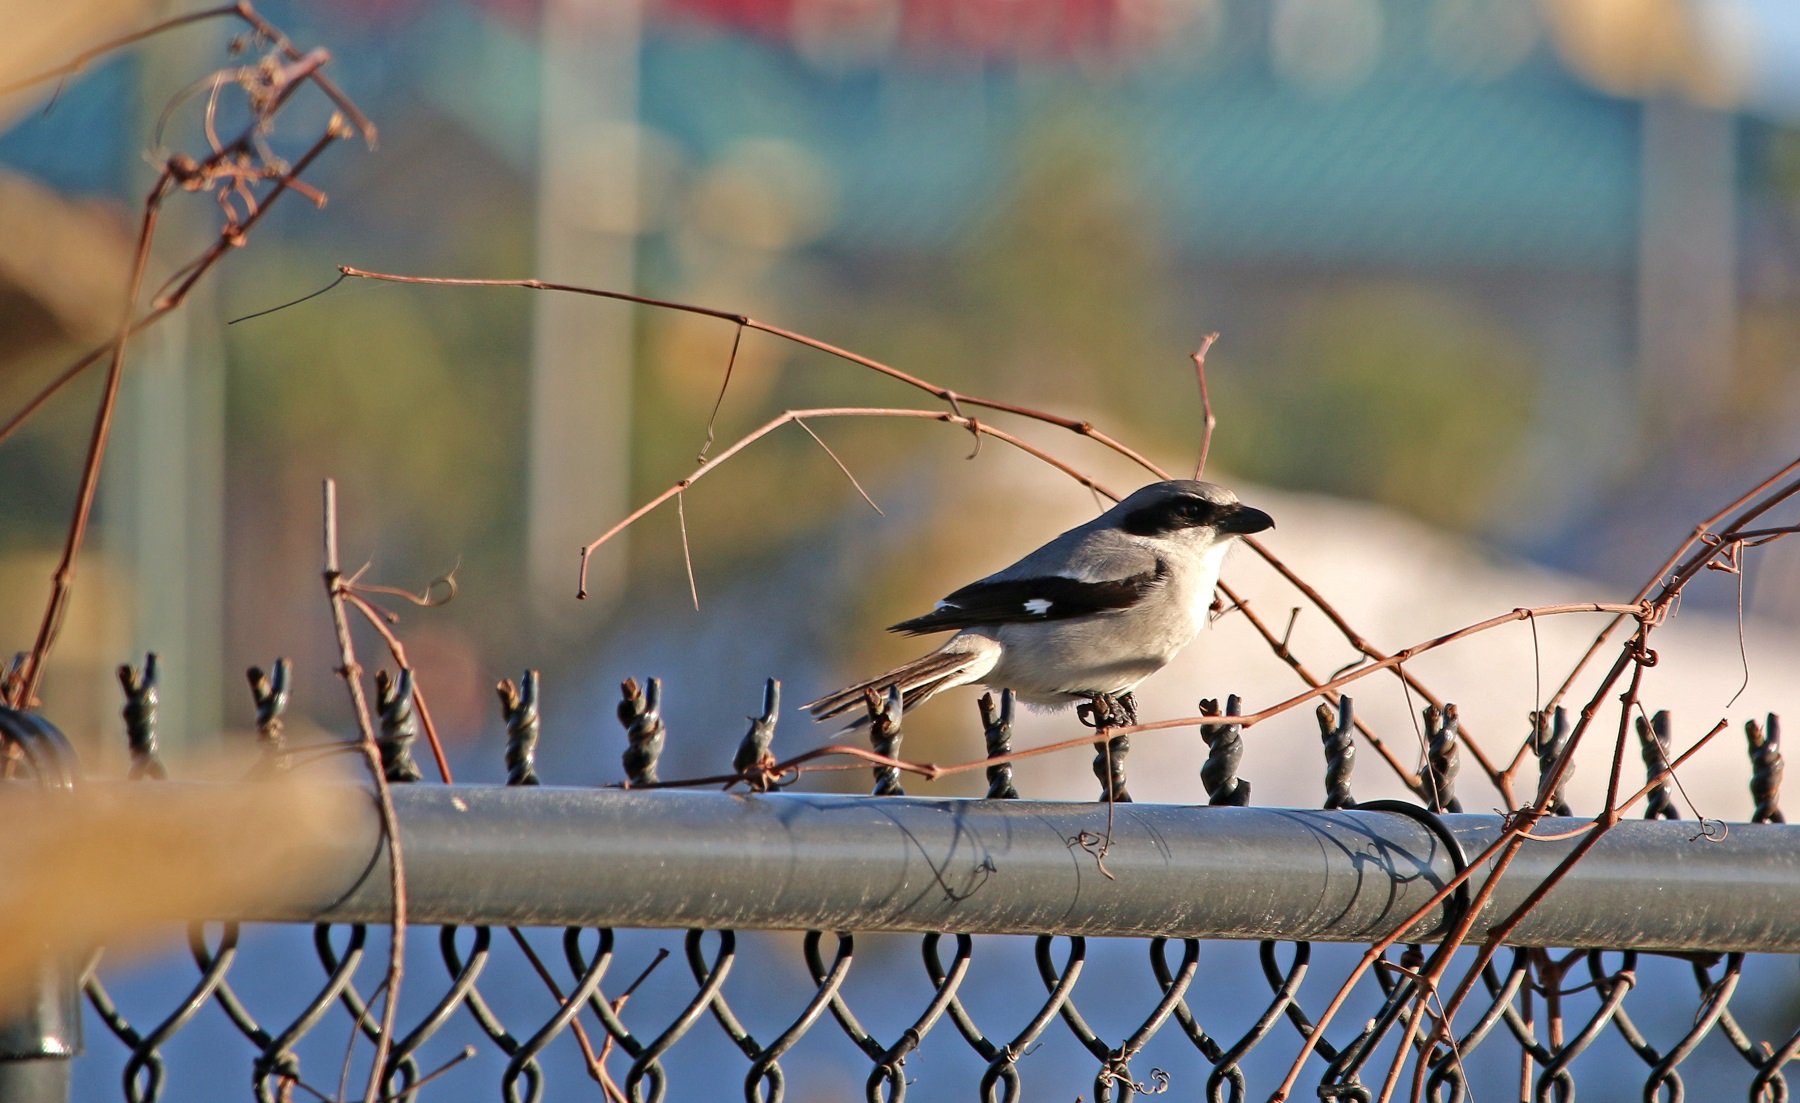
{"x":1087,"y":616}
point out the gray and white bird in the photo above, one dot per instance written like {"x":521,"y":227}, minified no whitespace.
{"x":1087,"y":616}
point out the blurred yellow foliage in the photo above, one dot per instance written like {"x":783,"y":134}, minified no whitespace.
{"x":1644,"y":47}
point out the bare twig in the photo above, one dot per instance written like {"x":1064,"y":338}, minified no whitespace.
{"x":687,"y":553}
{"x":1199,"y":358}
{"x":372,"y":615}
{"x":81,"y":61}
{"x":63,"y":579}
{"x":1635,"y":655}
{"x":824,"y":412}
{"x":236,"y":164}
{"x":242,"y":10}
{"x":955,"y":399}
{"x":229,"y":239}
{"x":613,"y":1093}
{"x":228,"y":172}
{"x":1698,"y":535}
{"x":390,"y":821}
{"x":595,"y":1061}
{"x":737,"y":339}
{"x":1499,"y":779}
{"x":1279,"y":645}
{"x":1639,"y":609}
{"x":840,"y":465}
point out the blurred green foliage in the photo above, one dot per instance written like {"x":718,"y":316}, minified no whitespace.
{"x":1389,"y":392}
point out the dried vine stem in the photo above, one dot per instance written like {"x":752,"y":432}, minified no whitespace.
{"x":1634,"y":655}
{"x":1495,"y":858}
{"x":1282,"y":651}
{"x":376,"y":620}
{"x":228,"y":239}
{"x":1406,"y":654}
{"x":242,"y":10}
{"x":1637,"y":655}
{"x":1430,"y":907}
{"x":62,"y":580}
{"x":1733,"y":536}
{"x":308,"y":68}
{"x":338,"y":595}
{"x":1206,"y":411}
{"x":956,"y":401}
{"x":980,"y":428}
{"x":1698,"y":536}
{"x":1500,"y":779}
{"x":237,"y":164}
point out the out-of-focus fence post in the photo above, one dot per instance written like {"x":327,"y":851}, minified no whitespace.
{"x":40,"y":1038}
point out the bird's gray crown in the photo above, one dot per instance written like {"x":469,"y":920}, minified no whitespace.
{"x":1176,"y":490}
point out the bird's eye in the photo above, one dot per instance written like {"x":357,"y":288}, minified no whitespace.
{"x":1197,"y":510}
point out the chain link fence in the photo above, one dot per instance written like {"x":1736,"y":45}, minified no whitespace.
{"x":666,"y":944}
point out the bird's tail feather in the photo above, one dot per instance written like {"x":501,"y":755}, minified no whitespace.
{"x":959,"y":662}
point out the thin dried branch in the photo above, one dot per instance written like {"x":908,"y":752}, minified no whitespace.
{"x":712,"y":419}
{"x":376,"y":620}
{"x":1495,"y":858}
{"x":687,"y":553}
{"x":1499,"y":778}
{"x":86,"y":57}
{"x":1664,"y":589}
{"x":595,"y":1061}
{"x":390,"y":821}
{"x":1636,"y":655}
{"x":955,"y":399}
{"x":63,"y":578}
{"x":229,"y":239}
{"x":1698,"y":536}
{"x":1640,"y":610}
{"x":773,"y":424}
{"x":820,"y":441}
{"x":1199,"y":358}
{"x":228,"y":171}
{"x":614,"y":1093}
{"x":1279,"y":646}
{"x":238,"y":163}
{"x":242,"y":10}
{"x":1519,"y":831}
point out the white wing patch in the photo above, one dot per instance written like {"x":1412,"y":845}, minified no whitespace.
{"x":1037,"y":606}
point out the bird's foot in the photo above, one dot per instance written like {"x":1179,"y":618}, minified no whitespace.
{"x":1107,"y":710}
{"x":1127,"y":705}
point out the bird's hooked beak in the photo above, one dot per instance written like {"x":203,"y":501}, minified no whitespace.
{"x":1242,"y":520}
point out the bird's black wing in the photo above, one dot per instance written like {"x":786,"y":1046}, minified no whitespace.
{"x":1025,"y":600}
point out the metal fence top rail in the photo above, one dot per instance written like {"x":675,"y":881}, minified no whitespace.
{"x":531,"y":856}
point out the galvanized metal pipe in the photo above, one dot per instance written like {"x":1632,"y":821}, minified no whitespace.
{"x":600,"y":857}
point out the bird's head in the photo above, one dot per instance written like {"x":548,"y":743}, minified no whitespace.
{"x":1189,"y":511}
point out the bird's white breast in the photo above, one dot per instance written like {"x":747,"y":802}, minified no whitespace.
{"x":1205,"y":584}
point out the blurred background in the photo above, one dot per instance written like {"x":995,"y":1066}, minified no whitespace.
{"x":1507,"y":291}
{"x":1524,"y":274}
